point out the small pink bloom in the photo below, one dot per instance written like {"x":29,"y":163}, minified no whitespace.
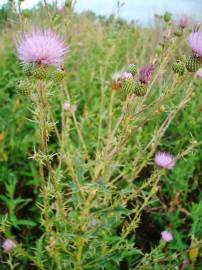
{"x":166,"y":236}
{"x":61,"y":9}
{"x":195,"y":41}
{"x":7,"y":245}
{"x":80,"y":44}
{"x":127,"y":76}
{"x":184,"y":21}
{"x":145,"y":73}
{"x":164,"y":160}
{"x":93,"y":222}
{"x":66,"y":106}
{"x":199,"y":73}
{"x":41,"y":47}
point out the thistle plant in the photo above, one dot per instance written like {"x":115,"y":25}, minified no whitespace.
{"x":100,"y":157}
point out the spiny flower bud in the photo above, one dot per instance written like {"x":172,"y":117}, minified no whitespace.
{"x":132,"y":69}
{"x":40,"y":72}
{"x":184,"y":21}
{"x":167,"y":16}
{"x":27,"y":69}
{"x":140,"y":89}
{"x":24,"y":87}
{"x":128,"y":86}
{"x":179,"y":67}
{"x":158,"y":49}
{"x":178,"y":33}
{"x":193,"y":64}
{"x":58,"y":75}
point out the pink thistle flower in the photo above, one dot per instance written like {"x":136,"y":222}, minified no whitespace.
{"x":195,"y":41}
{"x":167,"y":236}
{"x":61,"y":9}
{"x":184,"y":21}
{"x":199,"y":73}
{"x":164,"y":160}
{"x":145,"y":73}
{"x":127,"y":76}
{"x":41,"y":47}
{"x":7,"y":245}
{"x":66,"y":106}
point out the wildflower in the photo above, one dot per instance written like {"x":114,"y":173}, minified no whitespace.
{"x":167,"y":236}
{"x":145,"y":73}
{"x":61,"y":9}
{"x":93,"y":222}
{"x":66,"y":106}
{"x":195,"y":41}
{"x":116,"y":80}
{"x":127,"y":75}
{"x":164,"y":160}
{"x":184,"y":21}
{"x":7,"y":245}
{"x":41,"y":47}
{"x":199,"y":73}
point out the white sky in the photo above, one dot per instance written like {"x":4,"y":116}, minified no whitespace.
{"x":141,"y":10}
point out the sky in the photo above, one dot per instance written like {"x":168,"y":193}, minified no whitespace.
{"x":140,"y":10}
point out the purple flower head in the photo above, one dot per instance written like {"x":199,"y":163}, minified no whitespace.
{"x":7,"y":245}
{"x":145,"y":73}
{"x":41,"y":47}
{"x":166,"y":236}
{"x":184,"y":21}
{"x":127,"y":76}
{"x":195,"y":41}
{"x":199,"y":73}
{"x":164,"y":160}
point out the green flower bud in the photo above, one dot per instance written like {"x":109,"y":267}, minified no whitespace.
{"x":178,"y":33}
{"x":132,"y":69}
{"x":158,"y":49}
{"x":167,"y":16}
{"x":24,"y":87}
{"x":27,"y":69}
{"x":193,"y":63}
{"x":40,"y":72}
{"x":128,"y":86}
{"x":179,"y":67}
{"x":140,"y":89}
{"x":58,"y":75}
